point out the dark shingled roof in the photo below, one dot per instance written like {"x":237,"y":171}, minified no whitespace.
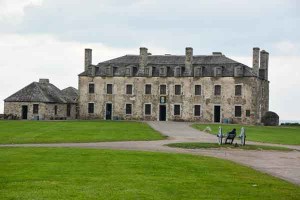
{"x":208,"y":62}
{"x":71,"y":93}
{"x":39,"y":92}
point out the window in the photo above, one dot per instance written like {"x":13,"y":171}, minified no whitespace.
{"x":147,"y":89}
{"x":197,"y":89}
{"x":128,"y":71}
{"x":197,"y":110}
{"x":238,"y":111}
{"x":178,"y":71}
{"x":55,"y":109}
{"x":109,"y":89}
{"x":129,"y":89}
{"x":238,"y":90}
{"x":217,"y":90}
{"x":163,"y":89}
{"x":147,"y":109}
{"x":238,"y":71}
{"x":91,"y":88}
{"x":177,"y":89}
{"x":68,"y":110}
{"x":35,"y":108}
{"x":162,"y":71}
{"x":198,"y":71}
{"x":128,"y":109}
{"x":108,"y":71}
{"x":91,"y":108}
{"x":247,"y":113}
{"x":176,"y":110}
{"x":218,"y":71}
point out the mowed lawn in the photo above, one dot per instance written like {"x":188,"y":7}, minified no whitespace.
{"x":277,"y":135}
{"x":66,"y":173}
{"x":16,"y":132}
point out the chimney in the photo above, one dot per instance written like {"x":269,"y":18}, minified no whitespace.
{"x":264,"y":62}
{"x":217,"y":53}
{"x":189,"y":61}
{"x":44,"y":80}
{"x":87,"y":58}
{"x":143,"y":58}
{"x":255,"y":60}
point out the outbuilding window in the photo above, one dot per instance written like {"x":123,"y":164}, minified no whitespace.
{"x":35,"y":108}
{"x":55,"y":109}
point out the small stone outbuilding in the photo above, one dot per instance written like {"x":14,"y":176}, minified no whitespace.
{"x":42,"y":101}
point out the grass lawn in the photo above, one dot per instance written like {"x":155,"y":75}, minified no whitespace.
{"x":275,"y":135}
{"x":16,"y":132}
{"x":66,"y":173}
{"x":198,"y":145}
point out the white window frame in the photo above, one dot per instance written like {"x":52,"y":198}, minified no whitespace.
{"x":166,"y":89}
{"x":131,"y":109}
{"x":215,"y":89}
{"x":180,"y":109}
{"x":241,"y":90}
{"x":151,"y":91}
{"x":241,"y":110}
{"x":132,"y":92}
{"x":200,"y":110}
{"x":195,"y":90}
{"x":181,"y":90}
{"x":112,"y":88}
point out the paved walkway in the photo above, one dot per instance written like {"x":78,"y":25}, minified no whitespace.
{"x":285,"y":165}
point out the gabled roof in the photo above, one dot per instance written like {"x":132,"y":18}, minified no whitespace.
{"x":171,"y":59}
{"x":39,"y":92}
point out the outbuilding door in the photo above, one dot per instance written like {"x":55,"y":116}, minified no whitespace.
{"x":24,"y":112}
{"x":162,"y":113}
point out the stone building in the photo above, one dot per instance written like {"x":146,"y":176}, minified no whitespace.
{"x":203,"y":88}
{"x":42,"y":100}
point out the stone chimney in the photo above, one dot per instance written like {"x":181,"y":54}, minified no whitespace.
{"x":87,"y":58}
{"x":264,"y":63}
{"x":44,"y":80}
{"x":189,"y":61}
{"x":143,"y":57}
{"x":255,"y":60}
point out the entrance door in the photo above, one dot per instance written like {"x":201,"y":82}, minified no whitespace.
{"x":162,"y":113}
{"x":108,"y":113}
{"x":24,"y":112}
{"x":217,"y":114}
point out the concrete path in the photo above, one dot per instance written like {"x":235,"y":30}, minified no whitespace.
{"x":285,"y":165}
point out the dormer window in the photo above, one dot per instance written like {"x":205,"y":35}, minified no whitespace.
{"x":198,"y":71}
{"x":238,"y":71}
{"x":162,"y":71}
{"x":177,"y":71}
{"x":218,"y":71}
{"x":128,"y":71}
{"x":148,"y":71}
{"x":108,"y":71}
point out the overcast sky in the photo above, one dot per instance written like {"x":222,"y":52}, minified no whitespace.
{"x":46,"y":38}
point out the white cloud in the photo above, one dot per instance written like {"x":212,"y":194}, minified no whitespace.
{"x":287,"y":48}
{"x":14,"y":9}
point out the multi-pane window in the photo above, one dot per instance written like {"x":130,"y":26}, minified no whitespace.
{"x":197,"y":110}
{"x":128,"y":109}
{"x":238,"y":90}
{"x":35,"y":108}
{"x":147,"y":109}
{"x":177,"y":89}
{"x":91,"y":108}
{"x":163,"y":89}
{"x":238,"y":111}
{"x":55,"y":109}
{"x":91,"y":88}
{"x":217,"y":90}
{"x":197,"y":89}
{"x":129,"y":89}
{"x":247,"y":113}
{"x":109,"y":89}
{"x":176,"y":109}
{"x":68,"y":110}
{"x":148,"y":89}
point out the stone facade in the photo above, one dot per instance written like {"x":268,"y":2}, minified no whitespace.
{"x":245,"y":108}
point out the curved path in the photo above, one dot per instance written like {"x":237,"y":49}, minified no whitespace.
{"x":285,"y":165}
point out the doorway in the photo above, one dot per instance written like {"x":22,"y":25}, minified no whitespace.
{"x":24,"y":112}
{"x":217,"y":114}
{"x":108,"y":112}
{"x":162,"y":113}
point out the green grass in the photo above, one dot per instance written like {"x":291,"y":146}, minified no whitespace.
{"x":198,"y":145}
{"x":275,"y":135}
{"x":17,"y":132}
{"x":66,"y":173}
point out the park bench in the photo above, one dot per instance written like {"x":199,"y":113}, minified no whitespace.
{"x":231,"y":137}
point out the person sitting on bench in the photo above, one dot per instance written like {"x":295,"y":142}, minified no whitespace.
{"x":230,"y":136}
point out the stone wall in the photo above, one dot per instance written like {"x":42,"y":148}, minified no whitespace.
{"x":46,"y":111}
{"x":251,"y":98}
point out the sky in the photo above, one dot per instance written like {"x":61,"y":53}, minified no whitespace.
{"x":46,"y":38}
